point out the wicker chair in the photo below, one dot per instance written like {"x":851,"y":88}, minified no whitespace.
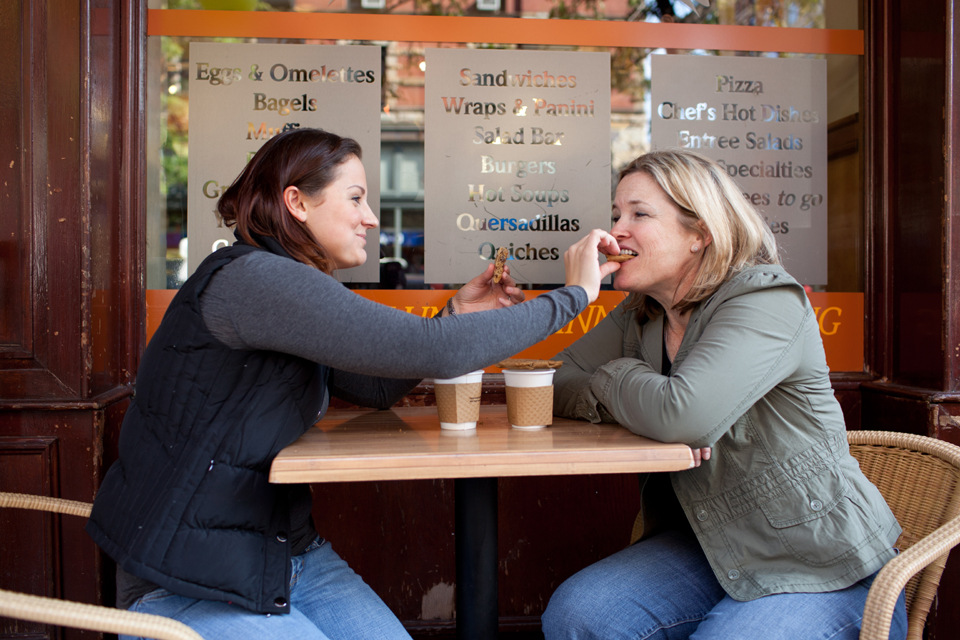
{"x":920,"y":479}
{"x":21,"y":606}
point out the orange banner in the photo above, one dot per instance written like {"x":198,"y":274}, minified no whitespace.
{"x":840,"y":316}
{"x":584,"y":33}
{"x":157,"y":302}
{"x":426,"y":302}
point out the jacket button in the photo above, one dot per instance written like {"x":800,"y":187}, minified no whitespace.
{"x":701,"y":515}
{"x":280,"y":602}
{"x":733,"y":574}
{"x":281,"y":537}
{"x":816,"y":505}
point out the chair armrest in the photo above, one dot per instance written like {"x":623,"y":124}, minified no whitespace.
{"x":886,"y":588}
{"x":45,"y":503}
{"x":23,"y":606}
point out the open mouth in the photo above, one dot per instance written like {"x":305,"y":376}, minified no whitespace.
{"x":625,"y":254}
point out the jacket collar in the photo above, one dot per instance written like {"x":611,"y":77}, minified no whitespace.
{"x":268,"y":243}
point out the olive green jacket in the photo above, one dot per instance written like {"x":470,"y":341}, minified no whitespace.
{"x":781,"y":506}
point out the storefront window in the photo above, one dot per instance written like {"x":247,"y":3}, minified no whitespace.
{"x":403,"y":125}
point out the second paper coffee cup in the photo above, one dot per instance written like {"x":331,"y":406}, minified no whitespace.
{"x":529,"y":398}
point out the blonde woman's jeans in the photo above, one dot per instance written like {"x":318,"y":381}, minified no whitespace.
{"x":663,"y":589}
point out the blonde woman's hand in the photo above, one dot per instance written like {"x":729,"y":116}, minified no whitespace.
{"x":702,"y":454}
{"x":481,"y":293}
{"x":582,"y":261}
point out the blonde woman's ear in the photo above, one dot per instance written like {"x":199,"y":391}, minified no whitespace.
{"x":293,"y":200}
{"x":705,"y":237}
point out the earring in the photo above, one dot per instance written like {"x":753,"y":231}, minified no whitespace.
{"x":695,"y":248}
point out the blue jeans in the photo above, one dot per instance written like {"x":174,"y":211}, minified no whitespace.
{"x":327,"y":601}
{"x":663,"y":589}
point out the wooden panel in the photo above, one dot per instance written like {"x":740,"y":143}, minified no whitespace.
{"x":883,"y":411}
{"x":850,"y":404}
{"x":114,"y":242}
{"x":29,"y":546}
{"x":951,"y":196}
{"x":68,"y":238}
{"x":75,"y":468}
{"x":917,"y":240}
{"x":14,"y":318}
{"x":399,"y":537}
{"x":50,"y":140}
{"x":551,"y":527}
{"x":845,"y":247}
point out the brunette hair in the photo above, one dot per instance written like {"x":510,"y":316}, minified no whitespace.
{"x":308,"y":159}
{"x":709,"y":200}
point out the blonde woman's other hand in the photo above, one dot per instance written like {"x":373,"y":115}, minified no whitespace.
{"x":701,"y":455}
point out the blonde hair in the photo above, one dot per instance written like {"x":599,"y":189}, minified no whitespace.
{"x":708,"y":201}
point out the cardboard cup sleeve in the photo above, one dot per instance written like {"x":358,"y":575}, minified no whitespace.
{"x":458,"y":403}
{"x":530,"y":406}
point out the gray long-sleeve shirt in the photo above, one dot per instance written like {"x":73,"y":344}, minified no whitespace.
{"x":263,"y":301}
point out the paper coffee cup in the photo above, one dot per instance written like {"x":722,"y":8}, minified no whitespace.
{"x":458,"y":400}
{"x":529,"y":398}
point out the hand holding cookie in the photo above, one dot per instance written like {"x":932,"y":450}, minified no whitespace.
{"x":582,"y":261}
{"x":487,"y":291}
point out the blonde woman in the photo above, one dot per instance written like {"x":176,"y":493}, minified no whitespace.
{"x":777,"y":534}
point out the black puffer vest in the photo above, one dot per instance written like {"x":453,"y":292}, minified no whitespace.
{"x":188,"y":505}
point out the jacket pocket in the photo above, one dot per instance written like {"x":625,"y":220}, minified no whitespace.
{"x":815,"y":519}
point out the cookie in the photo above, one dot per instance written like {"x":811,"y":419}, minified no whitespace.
{"x":502,"y":255}
{"x":620,"y":258}
{"x":528,"y":364}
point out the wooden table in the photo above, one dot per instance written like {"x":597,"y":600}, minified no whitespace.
{"x":408,"y":444}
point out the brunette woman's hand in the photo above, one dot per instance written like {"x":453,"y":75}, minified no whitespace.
{"x":481,"y":293}
{"x":582,"y":261}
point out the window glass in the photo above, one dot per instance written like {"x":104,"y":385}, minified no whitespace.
{"x":402,"y":123}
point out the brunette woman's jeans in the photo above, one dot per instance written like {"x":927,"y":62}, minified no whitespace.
{"x":663,"y":589}
{"x":327,"y":601}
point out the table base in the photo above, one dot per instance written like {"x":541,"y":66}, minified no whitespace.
{"x":477,"y":561}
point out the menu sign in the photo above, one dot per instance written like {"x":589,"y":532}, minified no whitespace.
{"x":241,"y":95}
{"x":517,"y":155}
{"x":765,"y":121}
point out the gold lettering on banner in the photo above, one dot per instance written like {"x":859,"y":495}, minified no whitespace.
{"x":821,"y":317}
{"x":595,"y":313}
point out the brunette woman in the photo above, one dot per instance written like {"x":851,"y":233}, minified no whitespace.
{"x":246,"y":359}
